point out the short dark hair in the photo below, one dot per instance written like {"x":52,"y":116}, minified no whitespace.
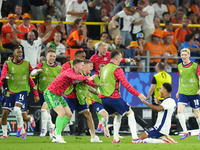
{"x":47,"y":18}
{"x":161,"y":66}
{"x":180,"y":9}
{"x":167,"y":23}
{"x":36,"y":33}
{"x":76,"y":22}
{"x":63,"y":39}
{"x":113,"y":54}
{"x":86,"y":61}
{"x":17,"y":47}
{"x":78,"y":52}
{"x":104,"y":33}
{"x":165,"y":13}
{"x":168,"y":87}
{"x":77,"y":61}
{"x":101,"y":65}
{"x":189,"y":37}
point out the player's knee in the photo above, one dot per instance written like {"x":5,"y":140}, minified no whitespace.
{"x":5,"y":114}
{"x":69,"y":114}
{"x":87,"y":114}
{"x":179,"y":111}
{"x":196,"y":114}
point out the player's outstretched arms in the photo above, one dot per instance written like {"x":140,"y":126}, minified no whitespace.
{"x":92,"y":77}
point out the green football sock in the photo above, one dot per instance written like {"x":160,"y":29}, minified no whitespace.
{"x":65,"y":122}
{"x":59,"y":125}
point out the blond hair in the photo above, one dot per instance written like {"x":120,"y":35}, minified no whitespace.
{"x":102,"y":44}
{"x":51,"y":50}
{"x":185,"y":50}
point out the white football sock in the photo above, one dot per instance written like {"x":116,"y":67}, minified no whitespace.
{"x":116,"y":126}
{"x":44,"y":118}
{"x":132,"y":125}
{"x":198,"y":122}
{"x":4,"y":128}
{"x":150,"y":140}
{"x":181,"y":118}
{"x":49,"y":121}
{"x":105,"y":122}
{"x":18,"y":114}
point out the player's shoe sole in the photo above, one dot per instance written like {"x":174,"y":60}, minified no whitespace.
{"x":106,"y":133}
{"x":184,"y":136}
{"x":99,"y":127}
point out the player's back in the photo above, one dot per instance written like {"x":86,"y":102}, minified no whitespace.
{"x":163,"y":122}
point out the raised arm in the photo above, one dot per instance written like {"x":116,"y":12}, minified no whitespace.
{"x":15,"y":36}
{"x":48,"y":34}
{"x":152,"y":88}
{"x":113,"y":21}
{"x":93,"y":3}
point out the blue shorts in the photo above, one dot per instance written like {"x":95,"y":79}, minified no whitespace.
{"x":153,"y":133}
{"x":41,"y":96}
{"x":193,"y":99}
{"x":74,"y":104}
{"x":16,"y":98}
{"x":113,"y":105}
{"x":98,"y":107}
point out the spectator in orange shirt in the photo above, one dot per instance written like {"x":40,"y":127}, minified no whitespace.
{"x":181,"y":32}
{"x":157,"y":26}
{"x":171,"y":7}
{"x":44,"y":29}
{"x":171,"y":51}
{"x":78,"y":37}
{"x":196,"y":8}
{"x":169,"y":29}
{"x":26,"y":26}
{"x":7,"y":38}
{"x":18,"y":13}
{"x":155,"y":48}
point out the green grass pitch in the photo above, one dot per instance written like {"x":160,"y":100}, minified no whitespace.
{"x":83,"y":143}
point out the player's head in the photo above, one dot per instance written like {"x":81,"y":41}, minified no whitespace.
{"x":51,"y":56}
{"x":102,"y":47}
{"x":101,"y":67}
{"x":88,"y":66}
{"x":116,"y":57}
{"x":165,"y":90}
{"x":78,"y":65}
{"x":17,"y":53}
{"x":185,"y":55}
{"x":160,"y":66}
{"x":80,"y":55}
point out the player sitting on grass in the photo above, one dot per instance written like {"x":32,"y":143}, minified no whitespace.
{"x":163,"y":122}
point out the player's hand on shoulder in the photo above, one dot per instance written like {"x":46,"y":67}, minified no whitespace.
{"x":7,"y":76}
{"x":142,"y":97}
{"x":92,"y":77}
{"x":36,"y":99}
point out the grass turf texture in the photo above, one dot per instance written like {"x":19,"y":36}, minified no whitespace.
{"x":83,"y":143}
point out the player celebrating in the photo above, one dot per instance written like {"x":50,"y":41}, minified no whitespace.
{"x":188,"y":91}
{"x":76,"y":99}
{"x":48,"y":70}
{"x":54,"y":99}
{"x":163,"y":123}
{"x":103,"y":57}
{"x":16,"y":72}
{"x":110,"y":78}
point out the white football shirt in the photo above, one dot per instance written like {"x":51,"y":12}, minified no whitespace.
{"x":163,"y":122}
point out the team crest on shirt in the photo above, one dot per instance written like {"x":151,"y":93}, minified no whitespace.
{"x":57,"y":101}
{"x":105,"y":58}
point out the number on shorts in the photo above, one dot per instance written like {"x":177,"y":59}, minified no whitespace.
{"x":196,"y":102}
{"x":21,"y":97}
